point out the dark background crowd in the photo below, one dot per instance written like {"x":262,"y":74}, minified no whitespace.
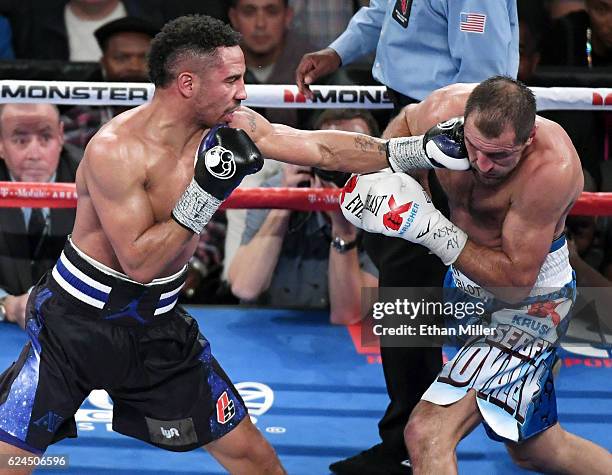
{"x":562,"y":43}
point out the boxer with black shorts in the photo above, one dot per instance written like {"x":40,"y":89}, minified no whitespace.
{"x":105,"y":317}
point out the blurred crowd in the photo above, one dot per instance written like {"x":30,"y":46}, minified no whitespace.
{"x":562,"y":42}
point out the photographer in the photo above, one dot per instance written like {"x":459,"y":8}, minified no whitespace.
{"x":305,"y":259}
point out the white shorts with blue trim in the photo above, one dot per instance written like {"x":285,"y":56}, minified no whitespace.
{"x":510,"y":368}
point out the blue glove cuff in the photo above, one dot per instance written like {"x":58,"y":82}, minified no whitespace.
{"x":210,"y":140}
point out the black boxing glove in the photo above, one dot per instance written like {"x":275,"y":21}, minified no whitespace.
{"x":442,"y":146}
{"x":225,"y":156}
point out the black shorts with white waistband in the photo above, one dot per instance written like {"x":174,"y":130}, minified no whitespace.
{"x":90,"y":329}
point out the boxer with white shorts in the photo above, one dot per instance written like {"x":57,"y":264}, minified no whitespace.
{"x":510,"y":366}
{"x":505,"y":242}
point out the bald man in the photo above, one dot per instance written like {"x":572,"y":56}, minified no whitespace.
{"x":32,"y":150}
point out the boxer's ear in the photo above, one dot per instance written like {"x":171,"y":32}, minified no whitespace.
{"x":185,"y":84}
{"x":531,"y":136}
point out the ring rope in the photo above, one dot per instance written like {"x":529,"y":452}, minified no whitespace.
{"x":267,"y":95}
{"x":63,"y":195}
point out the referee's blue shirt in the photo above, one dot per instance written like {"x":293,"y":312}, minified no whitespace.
{"x":443,"y":42}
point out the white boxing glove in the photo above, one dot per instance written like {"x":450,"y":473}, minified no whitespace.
{"x":441,"y":147}
{"x":355,"y":192}
{"x":398,"y":206}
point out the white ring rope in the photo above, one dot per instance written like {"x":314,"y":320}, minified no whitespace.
{"x":277,"y":96}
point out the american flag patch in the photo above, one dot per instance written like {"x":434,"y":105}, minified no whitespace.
{"x":472,"y":22}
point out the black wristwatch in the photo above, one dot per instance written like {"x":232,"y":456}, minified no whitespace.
{"x":341,"y":245}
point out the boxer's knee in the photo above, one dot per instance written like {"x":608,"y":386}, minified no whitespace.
{"x":532,"y":460}
{"x":264,"y":456}
{"x":537,"y":453}
{"x":245,"y":450}
{"x":521,"y":458}
{"x":418,"y":433}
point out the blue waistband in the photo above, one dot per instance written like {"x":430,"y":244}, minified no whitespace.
{"x":113,"y":297}
{"x":454,"y":293}
{"x":557,"y":243}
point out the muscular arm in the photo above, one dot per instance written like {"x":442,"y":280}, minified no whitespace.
{"x":440,"y":105}
{"x":117,"y":185}
{"x":399,"y":125}
{"x":327,"y":149}
{"x":348,"y":151}
{"x":527,"y":233}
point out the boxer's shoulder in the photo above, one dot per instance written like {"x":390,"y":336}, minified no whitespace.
{"x":552,"y":156}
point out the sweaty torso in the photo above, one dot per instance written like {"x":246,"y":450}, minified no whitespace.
{"x":481,"y":209}
{"x":478,"y":210}
{"x":167,"y":175}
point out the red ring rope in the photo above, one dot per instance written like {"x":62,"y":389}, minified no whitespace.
{"x":63,"y":195}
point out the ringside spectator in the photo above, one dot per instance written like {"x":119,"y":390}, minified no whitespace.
{"x":581,"y":38}
{"x":125,"y":44}
{"x":272,"y":52}
{"x":297,"y":259}
{"x":31,"y":239}
{"x":65,"y":30}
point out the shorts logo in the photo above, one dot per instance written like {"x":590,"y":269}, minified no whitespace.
{"x":50,"y":420}
{"x":177,"y":433}
{"x":220,"y":162}
{"x":545,"y":309}
{"x":169,"y":433}
{"x":225,"y":408}
{"x":129,"y":311}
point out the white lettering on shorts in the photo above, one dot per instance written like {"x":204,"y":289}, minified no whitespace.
{"x":505,"y":368}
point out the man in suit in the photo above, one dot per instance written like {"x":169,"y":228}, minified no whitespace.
{"x":31,"y":239}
